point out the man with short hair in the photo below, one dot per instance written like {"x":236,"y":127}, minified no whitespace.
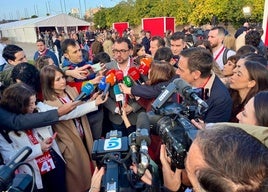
{"x":194,"y":67}
{"x":156,"y":43}
{"x":177,"y":44}
{"x":220,"y":53}
{"x":76,"y":67}
{"x":43,"y":50}
{"x":14,"y":55}
{"x":122,"y":50}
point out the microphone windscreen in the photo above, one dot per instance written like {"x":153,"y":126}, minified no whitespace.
{"x":133,"y":72}
{"x":110,"y":71}
{"x":110,"y":79}
{"x":181,"y":85}
{"x":127,"y":81}
{"x":102,"y":84}
{"x":118,"y":94}
{"x":87,"y":89}
{"x":143,"y":121}
{"x":119,"y":75}
{"x":146,"y":61}
{"x":143,"y":69}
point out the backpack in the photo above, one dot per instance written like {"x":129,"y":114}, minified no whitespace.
{"x":224,"y":56}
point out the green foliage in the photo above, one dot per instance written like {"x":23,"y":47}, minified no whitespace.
{"x":197,"y":12}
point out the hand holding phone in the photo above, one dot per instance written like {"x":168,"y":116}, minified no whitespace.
{"x":53,"y":137}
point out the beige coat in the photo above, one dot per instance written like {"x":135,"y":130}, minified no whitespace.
{"x":76,"y":154}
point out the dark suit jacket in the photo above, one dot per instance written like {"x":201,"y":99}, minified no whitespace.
{"x":11,"y":121}
{"x":219,"y":102}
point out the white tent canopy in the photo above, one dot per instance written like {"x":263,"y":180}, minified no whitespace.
{"x":26,"y":30}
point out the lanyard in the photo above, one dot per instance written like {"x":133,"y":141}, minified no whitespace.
{"x":77,"y":121}
{"x":31,"y":137}
{"x":222,"y":49}
{"x":203,"y":86}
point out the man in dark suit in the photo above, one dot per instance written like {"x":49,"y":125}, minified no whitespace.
{"x":195,"y":67}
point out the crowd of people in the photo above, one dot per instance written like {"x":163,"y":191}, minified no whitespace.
{"x":116,"y":78}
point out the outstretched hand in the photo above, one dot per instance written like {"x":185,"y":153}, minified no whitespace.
{"x":67,"y":107}
{"x":172,"y":180}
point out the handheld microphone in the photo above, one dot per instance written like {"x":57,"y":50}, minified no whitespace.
{"x":7,"y":172}
{"x":102,"y":84}
{"x":86,"y":90}
{"x":146,"y":61}
{"x":143,"y":69}
{"x":133,"y":147}
{"x":119,"y":76}
{"x":143,"y":140}
{"x":134,"y":73}
{"x":127,"y":81}
{"x":187,"y":92}
{"x":110,"y":80}
{"x":110,"y":71}
{"x":119,"y":97}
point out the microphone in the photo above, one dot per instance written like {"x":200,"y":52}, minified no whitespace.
{"x":134,"y":73}
{"x":133,"y":146}
{"x":7,"y":172}
{"x":86,"y":90}
{"x":119,"y":97}
{"x":102,"y":84}
{"x":110,"y":80}
{"x":164,"y":96}
{"x":187,"y":92}
{"x":110,"y":71}
{"x":119,"y":75}
{"x":146,"y":61}
{"x":143,"y":69}
{"x":143,"y":140}
{"x":127,"y":81}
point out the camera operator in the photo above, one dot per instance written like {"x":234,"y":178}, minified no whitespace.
{"x":209,"y":169}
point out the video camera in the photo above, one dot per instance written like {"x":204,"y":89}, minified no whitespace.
{"x":171,"y":121}
{"x":19,"y":182}
{"x":118,"y":153}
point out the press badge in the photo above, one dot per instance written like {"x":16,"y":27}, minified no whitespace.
{"x":45,"y":163}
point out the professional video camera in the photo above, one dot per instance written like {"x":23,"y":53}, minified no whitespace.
{"x":171,"y":121}
{"x":118,"y":153}
{"x":19,"y":182}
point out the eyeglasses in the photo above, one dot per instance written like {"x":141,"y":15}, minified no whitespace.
{"x":120,"y":51}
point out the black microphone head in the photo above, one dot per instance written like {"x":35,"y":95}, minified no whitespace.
{"x":143,"y":128}
{"x":143,"y":121}
{"x":181,"y":85}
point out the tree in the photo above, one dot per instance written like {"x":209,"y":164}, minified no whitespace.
{"x":197,"y":12}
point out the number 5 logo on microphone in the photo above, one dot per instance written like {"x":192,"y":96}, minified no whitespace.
{"x":112,"y":144}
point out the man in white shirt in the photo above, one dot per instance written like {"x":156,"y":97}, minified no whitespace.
{"x":220,"y":53}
